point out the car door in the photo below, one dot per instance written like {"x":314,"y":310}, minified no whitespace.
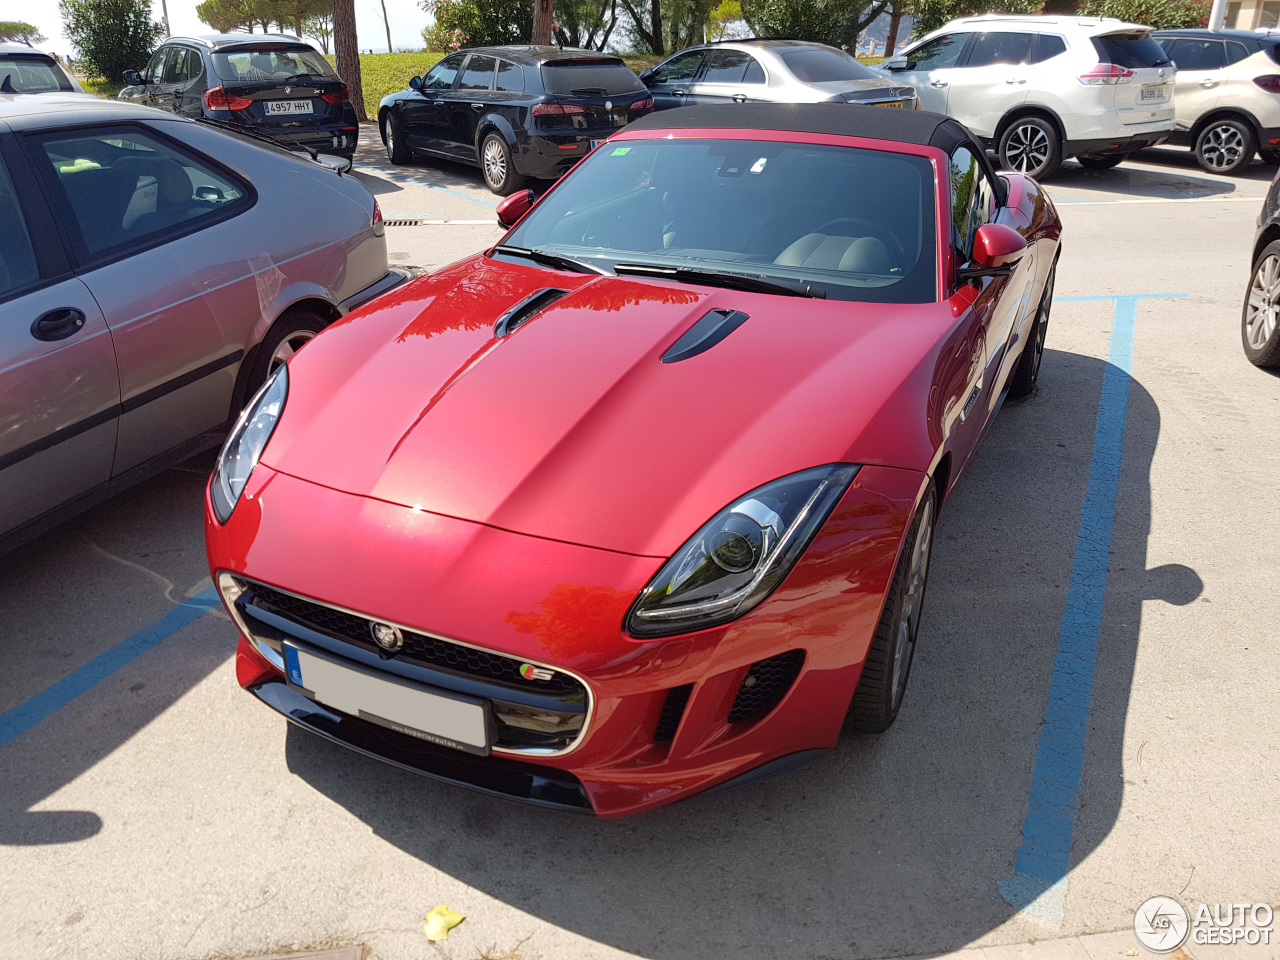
{"x":991,"y":79}
{"x":154,"y":78}
{"x":728,"y":76}
{"x":469,"y":102}
{"x":1197,"y":84}
{"x":59,"y":385}
{"x":166,"y":93}
{"x":673,"y":79}
{"x":424,"y":111}
{"x":185,"y":73}
{"x":930,"y":67}
{"x":155,"y":231}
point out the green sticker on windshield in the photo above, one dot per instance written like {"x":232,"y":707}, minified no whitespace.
{"x":620,"y":151}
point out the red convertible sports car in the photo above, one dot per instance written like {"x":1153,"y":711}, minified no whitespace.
{"x":640,"y":501}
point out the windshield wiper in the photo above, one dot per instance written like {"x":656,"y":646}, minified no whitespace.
{"x":720,"y":278}
{"x":255,"y":135}
{"x":549,"y":259}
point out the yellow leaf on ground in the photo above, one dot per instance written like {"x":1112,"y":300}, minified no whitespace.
{"x":440,"y":920}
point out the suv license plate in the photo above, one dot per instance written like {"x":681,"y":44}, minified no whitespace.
{"x":276,"y":108}
{"x":1154,"y":95}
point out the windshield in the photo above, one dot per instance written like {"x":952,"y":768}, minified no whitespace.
{"x":27,"y":74}
{"x":825,"y":65}
{"x":605,"y":78}
{"x":857,"y":224}
{"x":270,"y":63}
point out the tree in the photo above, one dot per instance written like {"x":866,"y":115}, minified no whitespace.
{"x":347,"y":48}
{"x":320,"y":26}
{"x":834,"y":22}
{"x":931,"y":14}
{"x":645,"y":18}
{"x":725,"y":22}
{"x":225,"y":16}
{"x":540,"y":30}
{"x":19,"y":31}
{"x":585,"y":23}
{"x":112,"y":35}
{"x":897,"y":10}
{"x":1160,"y":14}
{"x":480,"y":23}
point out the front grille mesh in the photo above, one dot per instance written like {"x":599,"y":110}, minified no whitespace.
{"x":418,"y":648}
{"x":764,"y":686}
{"x":672,"y":711}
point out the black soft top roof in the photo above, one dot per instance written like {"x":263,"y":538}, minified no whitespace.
{"x":918,"y":127}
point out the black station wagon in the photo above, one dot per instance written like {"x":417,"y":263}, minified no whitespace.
{"x":516,"y":112}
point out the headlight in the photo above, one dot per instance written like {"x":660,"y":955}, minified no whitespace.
{"x":245,"y":444}
{"x":740,"y":555}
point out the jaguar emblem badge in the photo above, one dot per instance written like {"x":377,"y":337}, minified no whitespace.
{"x":389,"y":638}
{"x":530,"y":672}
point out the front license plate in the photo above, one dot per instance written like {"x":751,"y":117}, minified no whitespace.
{"x":892,"y":103}
{"x":436,"y":716}
{"x":277,"y":108}
{"x":1153,"y":95}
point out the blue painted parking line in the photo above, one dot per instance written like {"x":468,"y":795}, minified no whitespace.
{"x":409,"y":178}
{"x":1039,"y":884}
{"x":53,"y":698}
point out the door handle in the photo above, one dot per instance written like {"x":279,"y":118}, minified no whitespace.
{"x":477,"y":107}
{"x":677,"y":93}
{"x":57,"y":324}
{"x":938,"y":83}
{"x":739,"y":98}
{"x":1208,"y":83}
{"x":1016,"y":81}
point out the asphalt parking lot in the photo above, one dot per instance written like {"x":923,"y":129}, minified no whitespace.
{"x":151,"y":809}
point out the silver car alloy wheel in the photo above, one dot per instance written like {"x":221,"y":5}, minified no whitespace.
{"x":1028,"y":148}
{"x":1264,"y":303}
{"x":390,"y":131}
{"x":495,"y":162}
{"x":912,"y":600}
{"x":1223,"y":147}
{"x":288,"y":347}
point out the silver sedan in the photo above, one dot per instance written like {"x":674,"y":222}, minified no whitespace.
{"x":153,"y":270}
{"x":773,"y":71}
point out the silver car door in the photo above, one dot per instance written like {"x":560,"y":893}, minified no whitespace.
{"x":992,"y":80}
{"x":59,"y":386}
{"x":722,"y":78}
{"x":929,"y":68}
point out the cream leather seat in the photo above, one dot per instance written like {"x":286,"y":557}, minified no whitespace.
{"x":823,"y":252}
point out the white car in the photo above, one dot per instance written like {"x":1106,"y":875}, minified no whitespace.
{"x":24,"y":69}
{"x":1041,"y":89}
{"x":1228,"y":95}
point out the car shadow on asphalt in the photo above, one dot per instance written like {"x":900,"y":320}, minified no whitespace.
{"x":888,"y":845}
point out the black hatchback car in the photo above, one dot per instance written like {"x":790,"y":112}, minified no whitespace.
{"x":516,"y":112}
{"x":275,"y":84}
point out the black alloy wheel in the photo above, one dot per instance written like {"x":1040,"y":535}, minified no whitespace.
{"x":1027,"y":371}
{"x":398,"y":151}
{"x":1031,"y":145}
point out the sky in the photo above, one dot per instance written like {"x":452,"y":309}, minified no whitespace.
{"x":407,"y":20}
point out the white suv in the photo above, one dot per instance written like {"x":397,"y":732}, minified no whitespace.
{"x":1041,"y":89}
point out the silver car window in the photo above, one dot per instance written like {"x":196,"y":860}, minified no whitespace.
{"x":1050,"y":46}
{"x":17,"y":258}
{"x":1192,"y":53}
{"x":726,"y":66}
{"x":683,"y":66}
{"x":123,"y":186}
{"x":155,"y":69}
{"x":938,"y":53}
{"x":989,"y":49}
{"x":755,"y":72}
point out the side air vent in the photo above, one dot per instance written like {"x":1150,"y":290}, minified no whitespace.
{"x":764,"y":686}
{"x":672,"y":711}
{"x":704,"y":334}
{"x":527,"y":309}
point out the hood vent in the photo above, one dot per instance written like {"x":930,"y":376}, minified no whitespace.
{"x":527,"y":309}
{"x":704,"y":334}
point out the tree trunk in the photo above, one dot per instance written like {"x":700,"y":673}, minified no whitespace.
{"x":386,"y":23}
{"x":542,"y":21}
{"x":895,"y":18}
{"x":655,"y":12}
{"x":347,"y":49}
{"x":297,"y":25}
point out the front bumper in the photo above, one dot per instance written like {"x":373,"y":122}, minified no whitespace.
{"x":667,"y":717}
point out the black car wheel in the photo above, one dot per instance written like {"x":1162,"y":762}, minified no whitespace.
{"x":393,"y":136}
{"x":1260,"y":324}
{"x":1031,"y":145}
{"x":884,"y":675}
{"x":1025,"y":374}
{"x":500,"y":173}
{"x":286,"y":337}
{"x":1102,"y":163}
{"x":1225,"y":146}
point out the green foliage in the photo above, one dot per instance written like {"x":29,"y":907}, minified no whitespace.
{"x":1161,"y":14}
{"x":479,"y":23}
{"x":722,"y":18}
{"x":931,"y":14}
{"x":112,"y":35}
{"x":19,"y":31}
{"x":836,"y":22}
{"x":587,"y":24}
{"x":383,"y":73}
{"x":227,"y":16}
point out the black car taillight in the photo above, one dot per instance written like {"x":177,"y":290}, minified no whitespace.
{"x":217,"y":98}
{"x":341,"y":95}
{"x":645,"y":104}
{"x":557,"y":109}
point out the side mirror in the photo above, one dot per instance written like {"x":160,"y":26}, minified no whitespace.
{"x":996,"y":251}
{"x":646,"y":76}
{"x":134,"y":78}
{"x":514,"y":207}
{"x":898,"y":65}
{"x":415,"y":83}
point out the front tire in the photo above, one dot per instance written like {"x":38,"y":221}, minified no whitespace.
{"x":398,"y":151}
{"x":496,"y":164}
{"x":1027,"y":371}
{"x":1031,"y":145}
{"x":884,"y":676}
{"x":1259,"y":326}
{"x":289,"y":334}
{"x":1225,"y":146}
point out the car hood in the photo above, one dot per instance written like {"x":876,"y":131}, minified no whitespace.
{"x":572,"y":428}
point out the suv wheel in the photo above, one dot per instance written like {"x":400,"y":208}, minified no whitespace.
{"x":500,"y":174}
{"x":1031,"y":145}
{"x":1225,"y":146}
